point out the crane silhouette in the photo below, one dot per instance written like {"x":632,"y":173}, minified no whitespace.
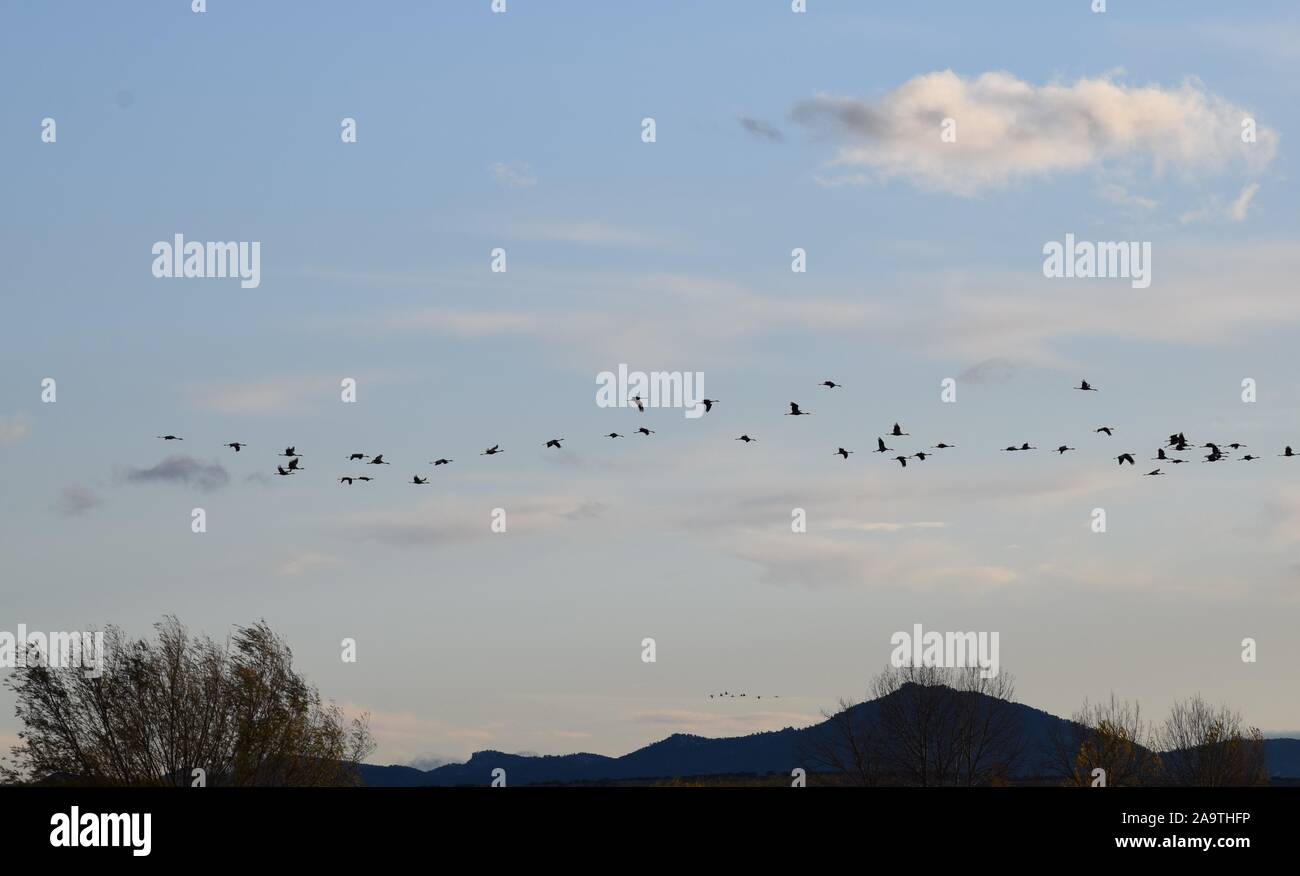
{"x":795,"y":412}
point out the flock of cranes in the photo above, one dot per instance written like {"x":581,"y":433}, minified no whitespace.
{"x":1177,"y":443}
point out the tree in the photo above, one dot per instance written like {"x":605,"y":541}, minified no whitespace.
{"x":161,"y":709}
{"x":1109,"y":736}
{"x":925,"y":726}
{"x":1208,"y":746}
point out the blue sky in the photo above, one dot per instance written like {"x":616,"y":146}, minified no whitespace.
{"x":522,"y":131}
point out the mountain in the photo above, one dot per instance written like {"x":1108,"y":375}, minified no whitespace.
{"x":683,"y":755}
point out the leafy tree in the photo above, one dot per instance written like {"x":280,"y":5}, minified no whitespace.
{"x":163,"y":708}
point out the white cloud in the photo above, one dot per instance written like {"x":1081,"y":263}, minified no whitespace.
{"x":14,"y":429}
{"x":1009,"y":130}
{"x":305,"y":562}
{"x":595,"y":233}
{"x":513,"y":174}
{"x":1241,"y":204}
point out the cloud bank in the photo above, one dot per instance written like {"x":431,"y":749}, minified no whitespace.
{"x":1008,"y":130}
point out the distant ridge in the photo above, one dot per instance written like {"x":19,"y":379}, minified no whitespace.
{"x":683,"y":755}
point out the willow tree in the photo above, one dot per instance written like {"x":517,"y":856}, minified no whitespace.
{"x":167,"y":707}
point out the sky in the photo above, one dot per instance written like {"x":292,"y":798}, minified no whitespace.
{"x":774,"y":130}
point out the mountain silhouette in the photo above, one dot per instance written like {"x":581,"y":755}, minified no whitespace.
{"x":684,"y":755}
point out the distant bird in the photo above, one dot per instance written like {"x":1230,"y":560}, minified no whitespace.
{"x":1236,"y":446}
{"x":644,"y":431}
{"x":795,"y":412}
{"x":921,"y":455}
{"x":830,"y":384}
{"x":238,"y":445}
{"x":347,"y":481}
{"x":1061,"y":450}
{"x":1153,"y":473}
{"x":169,"y":437}
{"x":491,"y":451}
{"x":1011,"y":449}
{"x":1214,"y":455}
{"x":358,"y":456}
{"x":1213,"y":448}
{"x":364,"y":478}
{"x":416,"y":479}
{"x":1287,"y":452}
{"x":844,"y":453}
{"x":1160,"y":455}
{"x":708,"y":403}
{"x":880,"y":446}
{"x":441,"y":461}
{"x":1083,"y":384}
{"x":640,"y":407}
{"x":898,"y":432}
{"x":942,"y":446}
{"x":1126,"y":457}
{"x":293,"y":464}
{"x":555,"y":442}
{"x":1106,"y":429}
{"x":613,"y":435}
{"x":281,"y":470}
{"x":902,"y":460}
{"x":1176,"y":461}
{"x":1248,"y":458}
{"x":290,"y":451}
{"x":746,"y":439}
{"x":379,"y":460}
{"x":1026,"y":446}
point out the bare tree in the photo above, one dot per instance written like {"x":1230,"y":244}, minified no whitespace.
{"x":924,"y":726}
{"x":1209,"y":746}
{"x":1109,"y":736}
{"x":163,"y":708}
{"x":947,"y":726}
{"x":847,"y":745}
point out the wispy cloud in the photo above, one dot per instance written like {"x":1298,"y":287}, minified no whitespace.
{"x":761,"y":130}
{"x":263,"y":395}
{"x":305,"y":562}
{"x":513,"y":174}
{"x":77,"y":500}
{"x":187,"y":470}
{"x":14,"y":428}
{"x":593,"y":233}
